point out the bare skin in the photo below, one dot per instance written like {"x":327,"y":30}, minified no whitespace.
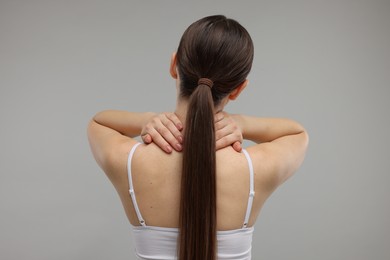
{"x":279,"y":151}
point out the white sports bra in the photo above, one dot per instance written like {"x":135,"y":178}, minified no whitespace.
{"x":155,"y":243}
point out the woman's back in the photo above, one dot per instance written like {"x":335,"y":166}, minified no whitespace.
{"x":157,"y":178}
{"x":153,"y":203}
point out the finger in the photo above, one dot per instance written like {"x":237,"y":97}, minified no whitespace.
{"x":224,"y":122}
{"x":175,"y":120}
{"x":174,"y":131}
{"x":147,"y":139}
{"x":224,"y":131}
{"x":219,"y":116}
{"x":222,"y":143}
{"x":219,"y":125}
{"x":226,"y":141}
{"x":166,"y":134}
{"x":160,"y":141}
{"x":237,"y":146}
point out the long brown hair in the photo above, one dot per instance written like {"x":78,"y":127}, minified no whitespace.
{"x":221,"y":50}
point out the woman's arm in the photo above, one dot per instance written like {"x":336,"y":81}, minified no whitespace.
{"x":163,"y":129}
{"x":126,"y":123}
{"x":281,"y":145}
{"x":108,"y":132}
{"x":259,"y":130}
{"x":110,"y":137}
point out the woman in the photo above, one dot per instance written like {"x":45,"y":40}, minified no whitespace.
{"x":201,"y":197}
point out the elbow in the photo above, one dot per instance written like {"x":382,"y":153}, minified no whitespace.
{"x":305,"y":140}
{"x":91,"y":129}
{"x":296,"y":157}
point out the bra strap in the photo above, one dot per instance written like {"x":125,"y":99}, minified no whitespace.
{"x":251,"y":189}
{"x":131,"y":190}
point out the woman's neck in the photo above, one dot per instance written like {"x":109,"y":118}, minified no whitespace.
{"x":182,"y":106}
{"x":181,"y":110}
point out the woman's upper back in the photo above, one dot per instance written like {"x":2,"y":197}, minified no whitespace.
{"x":156,"y":179}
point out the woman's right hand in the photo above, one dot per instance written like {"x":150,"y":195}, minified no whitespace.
{"x":165,"y":131}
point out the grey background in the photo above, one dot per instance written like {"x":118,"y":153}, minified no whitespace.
{"x":323,"y":63}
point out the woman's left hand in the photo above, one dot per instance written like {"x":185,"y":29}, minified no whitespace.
{"x":227,"y":132}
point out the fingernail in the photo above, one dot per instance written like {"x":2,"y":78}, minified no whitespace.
{"x":179,"y":126}
{"x":145,"y":138}
{"x":180,"y":139}
{"x":179,"y":147}
{"x":168,"y":149}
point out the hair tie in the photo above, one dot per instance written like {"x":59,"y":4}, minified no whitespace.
{"x":206,"y":81}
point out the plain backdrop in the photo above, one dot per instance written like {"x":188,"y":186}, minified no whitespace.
{"x":324,"y":63}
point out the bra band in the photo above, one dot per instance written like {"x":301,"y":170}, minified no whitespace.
{"x":206,"y":81}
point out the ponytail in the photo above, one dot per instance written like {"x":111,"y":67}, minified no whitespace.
{"x":221,"y":49}
{"x":197,"y":238}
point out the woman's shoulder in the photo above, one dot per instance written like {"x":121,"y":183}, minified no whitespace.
{"x":149,"y":159}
